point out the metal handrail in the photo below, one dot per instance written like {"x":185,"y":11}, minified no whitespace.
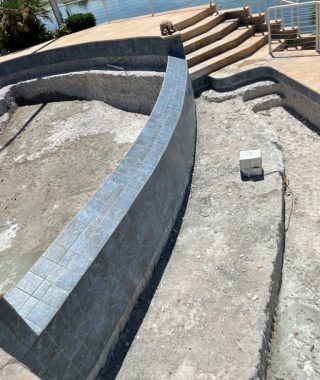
{"x":292,"y":6}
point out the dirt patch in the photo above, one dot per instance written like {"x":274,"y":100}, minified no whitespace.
{"x":53,"y":157}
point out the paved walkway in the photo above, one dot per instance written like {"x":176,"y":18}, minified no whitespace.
{"x":207,"y":319}
{"x":144,"y":26}
{"x":303,"y":66}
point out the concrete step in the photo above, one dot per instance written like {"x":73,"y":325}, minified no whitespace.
{"x":275,"y":25}
{"x":230,"y":41}
{"x":201,"y":27}
{"x":259,"y":89}
{"x":248,"y":92}
{"x":196,"y":18}
{"x":211,"y":36}
{"x":266,"y":102}
{"x":240,"y":13}
{"x":286,"y":33}
{"x":305,"y":42}
{"x":247,"y":48}
{"x":256,"y":19}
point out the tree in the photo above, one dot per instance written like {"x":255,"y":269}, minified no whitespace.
{"x":20,"y":26}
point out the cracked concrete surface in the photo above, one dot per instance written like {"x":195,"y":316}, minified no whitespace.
{"x":56,"y":156}
{"x":211,"y":313}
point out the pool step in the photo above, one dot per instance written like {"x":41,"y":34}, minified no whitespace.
{"x":201,"y":27}
{"x":247,"y":48}
{"x":259,"y":89}
{"x":228,"y":42}
{"x":211,"y":36}
{"x":181,"y":25}
{"x":247,"y":92}
{"x":267,"y":102}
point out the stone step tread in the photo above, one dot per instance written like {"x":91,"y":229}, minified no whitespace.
{"x":242,"y":31}
{"x":189,"y":22}
{"x":212,"y":35}
{"x":247,"y":48}
{"x":201,"y":26}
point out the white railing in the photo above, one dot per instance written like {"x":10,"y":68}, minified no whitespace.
{"x":294,"y":25}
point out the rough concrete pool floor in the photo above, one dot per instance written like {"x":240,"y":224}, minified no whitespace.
{"x":206,"y":316}
{"x":53,"y":157}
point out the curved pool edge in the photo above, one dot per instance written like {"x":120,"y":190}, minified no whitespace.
{"x":83,"y":288}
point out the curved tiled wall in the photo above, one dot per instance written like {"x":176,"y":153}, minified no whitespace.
{"x":65,"y":315}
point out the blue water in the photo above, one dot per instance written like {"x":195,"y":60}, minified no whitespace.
{"x":106,"y":10}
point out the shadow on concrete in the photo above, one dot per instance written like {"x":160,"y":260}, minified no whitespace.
{"x":2,"y":148}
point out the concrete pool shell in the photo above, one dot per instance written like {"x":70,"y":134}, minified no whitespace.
{"x":91,"y":302}
{"x":114,"y":227}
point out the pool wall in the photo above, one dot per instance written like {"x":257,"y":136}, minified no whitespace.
{"x":65,"y":315}
{"x":131,"y":91}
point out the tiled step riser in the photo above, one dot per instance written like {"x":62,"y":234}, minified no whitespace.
{"x":229,"y":60}
{"x":212,"y":22}
{"x":220,"y":49}
{"x":201,"y":42}
{"x":193,"y":20}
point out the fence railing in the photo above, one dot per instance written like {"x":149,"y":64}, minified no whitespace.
{"x":294,"y":25}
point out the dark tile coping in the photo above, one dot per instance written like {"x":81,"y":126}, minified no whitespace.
{"x":39,"y":295}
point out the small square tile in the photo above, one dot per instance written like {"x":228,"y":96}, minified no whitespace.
{"x":28,"y":306}
{"x":17,"y":298}
{"x":29,"y":282}
{"x":42,"y":267}
{"x":41,"y":314}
